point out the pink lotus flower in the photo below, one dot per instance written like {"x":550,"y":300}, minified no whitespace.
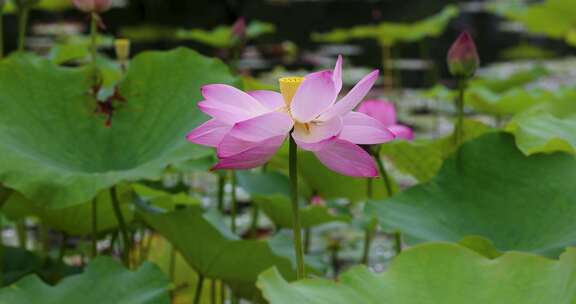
{"x":463,"y":59}
{"x":385,"y":112}
{"x":248,"y":128}
{"x":93,"y":6}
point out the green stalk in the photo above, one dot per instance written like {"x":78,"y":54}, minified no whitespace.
{"x":198,"y":291}
{"x":293,"y":168}
{"x":389,"y":192}
{"x":213,"y":291}
{"x":370,"y":230}
{"x":255,"y":219}
{"x":172,"y":269}
{"x":459,"y":125}
{"x":22,"y":233}
{"x":94,"y":212}
{"x":1,"y":32}
{"x":221,"y":184}
{"x":122,"y":225}
{"x":234,"y":203}
{"x":24,"y":13}
{"x":94,"y":46}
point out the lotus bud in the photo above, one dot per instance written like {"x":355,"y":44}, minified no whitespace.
{"x":463,"y":60}
{"x":289,"y":86}
{"x":239,"y":28}
{"x":93,"y":6}
{"x":122,"y":47}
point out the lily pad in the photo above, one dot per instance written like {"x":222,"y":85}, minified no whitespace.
{"x":407,"y":156}
{"x":547,"y":128}
{"x":213,"y":251}
{"x":438,"y":273}
{"x":56,"y":135}
{"x":518,"y":202}
{"x":104,"y":281}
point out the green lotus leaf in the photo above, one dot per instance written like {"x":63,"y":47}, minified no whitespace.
{"x":547,"y":128}
{"x":103,"y":281}
{"x":73,"y":156}
{"x":438,"y":274}
{"x":554,"y":18}
{"x":388,"y":33}
{"x":518,"y":202}
{"x":407,"y":155}
{"x":213,"y":251}
{"x":74,"y":220}
{"x":222,"y":36}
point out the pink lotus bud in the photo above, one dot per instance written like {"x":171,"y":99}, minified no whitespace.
{"x":93,"y":6}
{"x":239,"y":28}
{"x":463,"y":60}
{"x":318,"y":201}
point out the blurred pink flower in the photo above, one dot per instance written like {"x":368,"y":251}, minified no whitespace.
{"x":239,"y":28}
{"x":318,"y":201}
{"x":385,"y":112}
{"x":93,"y":6}
{"x":248,"y":128}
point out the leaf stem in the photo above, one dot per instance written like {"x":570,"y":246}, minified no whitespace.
{"x":293,"y":168}
{"x":234,"y":202}
{"x":122,"y":226}
{"x":94,"y":45}
{"x":198,"y":291}
{"x":255,"y":219}
{"x":23,"y":14}
{"x":94,"y":213}
{"x":371,"y":229}
{"x":459,"y":125}
{"x":220,"y":195}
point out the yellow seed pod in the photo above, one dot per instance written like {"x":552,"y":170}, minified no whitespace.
{"x":289,"y":86}
{"x":122,"y":49}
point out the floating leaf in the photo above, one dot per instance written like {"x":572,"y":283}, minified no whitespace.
{"x":547,"y":128}
{"x":213,"y":251}
{"x":519,"y":202}
{"x":57,"y":135}
{"x":423,"y":158}
{"x":103,"y":281}
{"x":438,"y":273}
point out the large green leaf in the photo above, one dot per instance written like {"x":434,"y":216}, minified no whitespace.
{"x":438,"y":274}
{"x":57,"y":151}
{"x":213,"y":251}
{"x":388,"y":33}
{"x":547,"y":128}
{"x":271,"y":191}
{"x":104,"y":281}
{"x":519,"y":202}
{"x":423,"y":158}
{"x":74,"y":220}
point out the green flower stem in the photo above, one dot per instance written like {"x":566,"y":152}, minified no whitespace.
{"x":122,"y":225}
{"x":234,"y":202}
{"x":212,"y":291}
{"x":1,"y":32}
{"x":172,"y":269}
{"x":293,"y":168}
{"x":255,"y":219}
{"x":389,"y":192}
{"x":371,"y":229}
{"x":220,"y":194}
{"x":23,"y":15}
{"x":94,"y":213}
{"x":22,"y":233}
{"x":198,"y":291}
{"x":94,"y":45}
{"x":459,"y":125}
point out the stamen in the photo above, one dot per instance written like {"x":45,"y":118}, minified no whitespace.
{"x":289,"y":86}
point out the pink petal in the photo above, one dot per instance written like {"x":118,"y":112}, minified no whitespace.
{"x":254,"y":157}
{"x":230,"y":95}
{"x":269,"y":99}
{"x":316,"y":94}
{"x":402,"y":132}
{"x":362,"y":129}
{"x":225,"y":113}
{"x":353,"y":98}
{"x":209,"y":133}
{"x":383,"y":110}
{"x":263,"y":127}
{"x":348,"y":159}
{"x":316,"y":132}
{"x":337,"y":75}
{"x":248,"y":134}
